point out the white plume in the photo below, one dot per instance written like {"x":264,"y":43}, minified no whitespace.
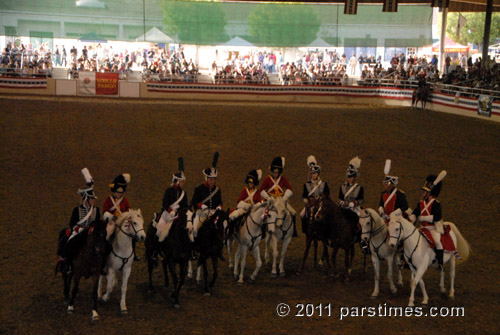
{"x":259,"y":174}
{"x":127,"y":177}
{"x":387,"y":167}
{"x":283,"y":161}
{"x":87,"y":176}
{"x":440,"y":177}
{"x":311,"y":160}
{"x":355,"y":162}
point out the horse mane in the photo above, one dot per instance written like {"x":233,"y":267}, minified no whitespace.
{"x":375,"y":215}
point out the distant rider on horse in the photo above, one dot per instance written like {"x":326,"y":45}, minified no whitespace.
{"x":207,"y":197}
{"x":429,"y":212}
{"x":249,"y":196}
{"x":117,"y":203}
{"x":351,"y":194}
{"x":276,"y":185}
{"x":392,"y":197}
{"x":315,"y":187}
{"x":82,"y":218}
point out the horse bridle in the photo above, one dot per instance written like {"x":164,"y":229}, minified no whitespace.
{"x":131,"y":222}
{"x":407,"y":237}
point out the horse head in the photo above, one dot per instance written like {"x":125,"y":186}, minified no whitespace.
{"x":96,"y":241}
{"x":278,"y":205}
{"x":131,"y":223}
{"x":395,"y":228}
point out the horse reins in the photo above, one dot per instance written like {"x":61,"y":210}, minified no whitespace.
{"x":126,"y":259}
{"x":374,"y":233}
{"x":410,"y":258}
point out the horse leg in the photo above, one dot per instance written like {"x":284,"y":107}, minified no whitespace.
{"x":390,"y":267}
{"x":110,"y":279}
{"x":173,"y":295}
{"x":165,"y":272}
{"x":125,"y":276}
{"x":334,"y":262}
{"x":274,"y":242}
{"x":315,"y":260}
{"x":73,"y":293}
{"x":203,"y":262}
{"x":376,"y":271}
{"x":396,"y":265}
{"x":452,"y":277}
{"x":182,"y":277}
{"x":325,"y":256}
{"x":150,"y":273}
{"x":258,"y":262}
{"x":190,"y":270}
{"x":215,"y":265}
{"x":306,"y":253}
{"x":228,"y":246}
{"x":418,"y":279}
{"x":268,"y":246}
{"x":237,"y":261}
{"x":284,"y":247}
{"x":67,"y":285}
{"x":198,"y":273}
{"x":95,"y":285}
{"x":243,"y":262}
{"x":349,"y":257}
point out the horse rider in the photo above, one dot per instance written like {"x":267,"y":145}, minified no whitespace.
{"x":116,"y":204}
{"x":276,"y":185}
{"x":315,"y":187}
{"x":83,"y":216}
{"x":207,"y":197}
{"x":247,"y":199}
{"x":351,"y":193}
{"x":429,"y":212}
{"x":174,"y":199}
{"x":392,"y":197}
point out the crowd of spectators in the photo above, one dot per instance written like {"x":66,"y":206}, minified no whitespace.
{"x":312,"y":68}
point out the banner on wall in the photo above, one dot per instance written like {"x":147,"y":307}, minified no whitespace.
{"x":97,"y":83}
{"x":484,"y":105}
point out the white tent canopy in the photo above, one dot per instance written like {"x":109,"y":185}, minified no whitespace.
{"x":319,"y":43}
{"x":155,"y":35}
{"x":238,"y":42}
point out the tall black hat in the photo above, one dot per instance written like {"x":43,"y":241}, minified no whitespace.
{"x":253,"y":176}
{"x":433,"y":183}
{"x":277,"y":165}
{"x":179,"y":175}
{"x":120,"y":183}
{"x":211,"y":172}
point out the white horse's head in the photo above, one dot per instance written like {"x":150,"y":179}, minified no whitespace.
{"x":132,"y":223}
{"x":366,"y":223}
{"x":395,"y":228}
{"x":279,"y":206}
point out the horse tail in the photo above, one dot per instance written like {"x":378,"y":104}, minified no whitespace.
{"x":463,"y":247}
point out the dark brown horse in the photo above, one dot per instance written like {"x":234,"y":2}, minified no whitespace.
{"x":316,"y":229}
{"x":210,"y":244}
{"x":175,"y":250}
{"x":342,"y":234}
{"x":87,"y":262}
{"x":421,"y":94}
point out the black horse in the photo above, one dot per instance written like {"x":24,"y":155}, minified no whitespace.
{"x":210,"y":243}
{"x":342,"y":234}
{"x":421,"y":94}
{"x":316,"y":230}
{"x":87,"y":261}
{"x":175,"y":250}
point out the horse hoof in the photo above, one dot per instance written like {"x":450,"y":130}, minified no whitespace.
{"x":69,"y":311}
{"x":274,"y":274}
{"x":124,"y":311}
{"x":282,"y":274}
{"x":236,"y":277}
{"x":95,"y":318}
{"x":231,"y":266}
{"x":177,"y":305}
{"x":207,"y":294}
{"x":66,"y":301}
{"x":240,"y":282}
{"x":373,"y":296}
{"x":251,"y":280}
{"x":198,"y":282}
{"x":452,"y":297}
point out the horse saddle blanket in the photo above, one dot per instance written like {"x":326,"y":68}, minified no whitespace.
{"x":446,"y":240}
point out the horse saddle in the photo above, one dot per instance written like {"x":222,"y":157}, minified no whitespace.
{"x":446,"y":239}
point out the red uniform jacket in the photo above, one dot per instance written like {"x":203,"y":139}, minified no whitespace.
{"x":124,"y":206}
{"x":273,"y":190}
{"x":244,"y":196}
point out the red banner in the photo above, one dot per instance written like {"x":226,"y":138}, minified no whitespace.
{"x":106,"y":83}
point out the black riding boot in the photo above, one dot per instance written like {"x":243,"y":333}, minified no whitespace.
{"x":294,"y":219}
{"x":439,"y":258}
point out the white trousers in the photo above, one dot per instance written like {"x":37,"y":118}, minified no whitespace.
{"x":436,"y":236}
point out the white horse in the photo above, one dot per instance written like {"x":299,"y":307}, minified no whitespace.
{"x":249,"y":237}
{"x":419,"y":255}
{"x":375,"y":233}
{"x":281,"y":228}
{"x":129,"y":226}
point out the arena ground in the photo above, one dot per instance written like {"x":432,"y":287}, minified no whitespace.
{"x":47,"y":141}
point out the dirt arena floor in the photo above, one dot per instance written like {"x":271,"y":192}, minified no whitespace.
{"x":45,"y":143}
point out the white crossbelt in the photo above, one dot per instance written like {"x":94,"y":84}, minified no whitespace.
{"x":315,"y":188}
{"x":390,"y":197}
{"x":350,"y":190}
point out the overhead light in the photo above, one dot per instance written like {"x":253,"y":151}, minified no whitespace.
{"x":90,"y":4}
